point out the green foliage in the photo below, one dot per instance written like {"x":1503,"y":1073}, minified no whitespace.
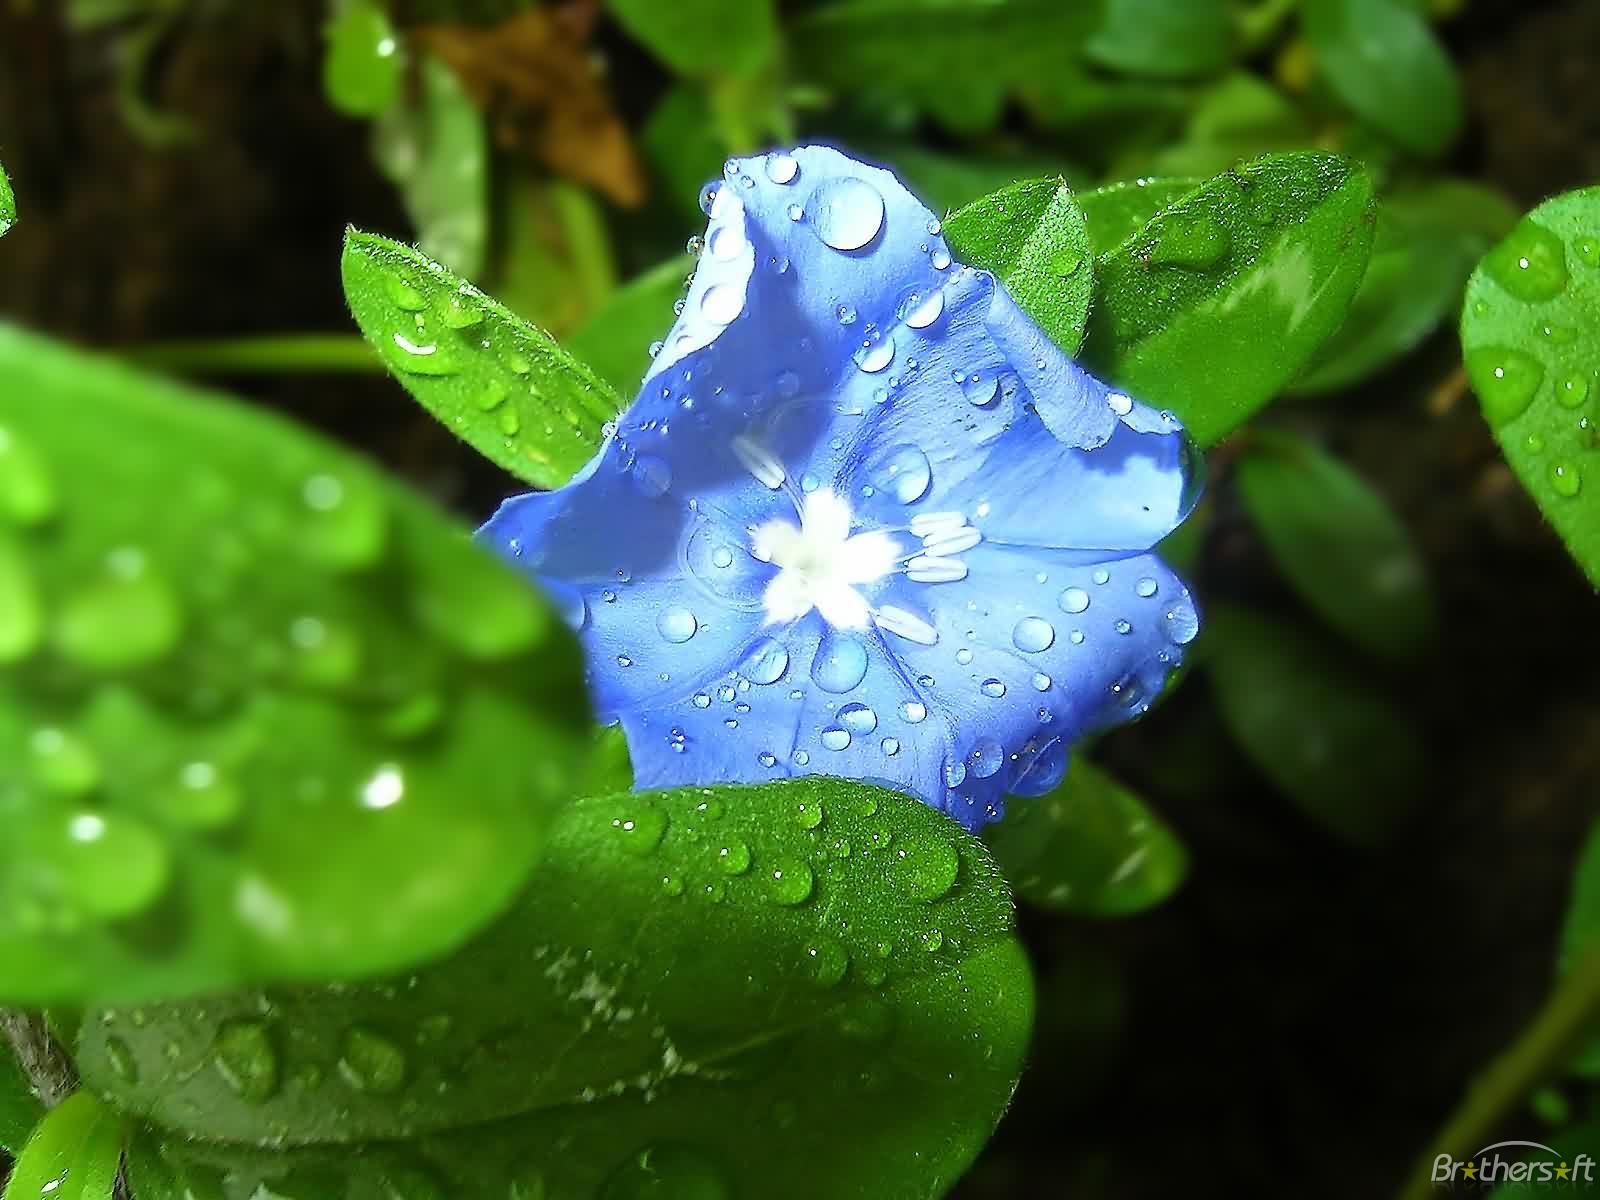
{"x":1529,"y":329}
{"x":20,"y":1109}
{"x":362,"y":68}
{"x":945,"y":182}
{"x":1428,"y":239}
{"x":498,"y":383}
{"x":1383,"y":61}
{"x":435,"y":148}
{"x":8,"y":203}
{"x":615,"y":341}
{"x":74,"y":1154}
{"x":820,"y":956}
{"x":1168,"y":39}
{"x":262,"y":714}
{"x":1580,"y":932}
{"x":1033,"y":237}
{"x":1316,"y":728}
{"x":703,"y":37}
{"x":1339,"y":545}
{"x":1090,"y":847}
{"x":1222,"y":297}
{"x":1116,"y":212}
{"x":1239,"y":118}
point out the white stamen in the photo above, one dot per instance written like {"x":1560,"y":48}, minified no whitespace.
{"x":759,"y":461}
{"x":924,"y":569}
{"x":941,"y":545}
{"x":927,"y":523}
{"x":819,"y":563}
{"x":906,"y":624}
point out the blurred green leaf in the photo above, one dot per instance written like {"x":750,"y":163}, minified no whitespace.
{"x":1580,"y":932}
{"x":683,"y":148}
{"x":818,"y":956}
{"x":8,"y":203}
{"x":1167,"y":39}
{"x":362,"y":67}
{"x":1032,"y":236}
{"x":945,"y":182}
{"x":1118,"y":211}
{"x":703,"y":37}
{"x":1339,"y":545}
{"x":20,"y":1109}
{"x":1331,"y":743}
{"x":1103,"y":121}
{"x":1428,"y":239}
{"x":1090,"y":847}
{"x":74,"y":1154}
{"x":263,"y":715}
{"x":521,"y":400}
{"x":1531,"y":331}
{"x":1240,"y":118}
{"x":1381,"y":58}
{"x":1222,"y":298}
{"x":616,"y":340}
{"x":435,"y":148}
{"x":554,"y":250}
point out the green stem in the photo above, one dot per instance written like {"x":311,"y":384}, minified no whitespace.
{"x":1544,"y":1048}
{"x":287,"y":353}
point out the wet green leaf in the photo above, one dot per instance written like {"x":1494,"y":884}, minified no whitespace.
{"x":814,"y":957}
{"x":1334,"y":745}
{"x":521,"y":400}
{"x":1221,"y":299}
{"x":1167,"y":39}
{"x":1531,"y":331}
{"x":20,"y":1109}
{"x":8,"y":203}
{"x":1380,"y":57}
{"x":362,"y":67}
{"x":1339,"y":545}
{"x":74,"y":1154}
{"x":1116,"y":212}
{"x":263,"y":715}
{"x":1428,"y":239}
{"x":703,"y":37}
{"x":1091,"y":847}
{"x":435,"y":147}
{"x":1033,"y":237}
{"x":616,"y":340}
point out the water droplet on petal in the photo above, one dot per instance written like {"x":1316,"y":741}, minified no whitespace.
{"x":985,"y":758}
{"x":726,"y":242}
{"x":781,"y":168}
{"x":840,"y":665}
{"x":1145,"y":587}
{"x":1073,"y":600}
{"x":835,"y":738}
{"x":915,"y":712}
{"x":980,"y":388}
{"x":875,"y":355}
{"x":766,"y":662}
{"x":1041,"y":682}
{"x":904,"y":472}
{"x":921,"y":311}
{"x":676,"y":624}
{"x":993,"y":688}
{"x":1033,"y":634}
{"x":829,"y":962}
{"x":858,"y":719}
{"x":846,"y":213}
{"x":130,"y":617}
{"x":721,"y":303}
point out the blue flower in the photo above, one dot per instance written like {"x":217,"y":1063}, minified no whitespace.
{"x":863,"y":518}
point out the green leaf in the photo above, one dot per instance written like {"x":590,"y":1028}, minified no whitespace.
{"x":435,"y":148}
{"x":521,"y":400}
{"x":1428,"y":239}
{"x":1336,"y":747}
{"x":945,"y":182}
{"x":263,"y":714}
{"x":1166,"y":39}
{"x":1381,"y":58}
{"x":681,"y":143}
{"x":1240,"y":118}
{"x":1222,"y":298}
{"x":74,"y":1154}
{"x":20,"y":1109}
{"x":1116,"y":212}
{"x":692,"y":979}
{"x":1338,"y":544}
{"x":362,"y":67}
{"x":1531,"y":331}
{"x":8,"y":203}
{"x":1580,"y":932}
{"x":616,"y":340}
{"x":703,"y":37}
{"x":1090,"y":847}
{"x":1033,"y":237}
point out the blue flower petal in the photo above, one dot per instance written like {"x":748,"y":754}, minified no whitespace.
{"x":863,"y":518}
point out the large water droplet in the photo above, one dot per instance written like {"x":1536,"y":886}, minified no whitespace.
{"x":1564,"y":478}
{"x":986,"y":757}
{"x":1073,"y":600}
{"x":858,"y":719}
{"x":919,"y":311}
{"x":790,"y":882}
{"x":835,"y":738}
{"x":1033,"y":634}
{"x":980,"y":387}
{"x":641,"y":828}
{"x":904,"y":472}
{"x":1572,"y":391}
{"x":1531,"y":263}
{"x":846,"y":213}
{"x":245,"y":1058}
{"x":875,"y":354}
{"x":421,"y":357}
{"x":1506,"y":379}
{"x":841,"y":664}
{"x":676,"y":624}
{"x":781,"y":168}
{"x":726,"y":242}
{"x":766,"y":662}
{"x":371,"y":1062}
{"x":993,"y":688}
{"x":721,"y":303}
{"x":733,"y":857}
{"x":925,"y":868}
{"x":915,"y":712}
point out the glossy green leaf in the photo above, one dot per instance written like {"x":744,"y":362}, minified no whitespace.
{"x":520,"y":400}
{"x":1381,"y":58}
{"x":1168,"y":39}
{"x":435,"y":147}
{"x":1091,"y":847}
{"x":362,"y":67}
{"x":1339,"y":545}
{"x":817,"y":956}
{"x":616,"y":340}
{"x":1428,"y":239}
{"x":1531,"y":331}
{"x":1221,"y":299}
{"x":20,"y":1109}
{"x":1313,"y":725}
{"x":703,"y":37}
{"x":1033,"y":237}
{"x":74,"y":1154}
{"x":8,"y":203}
{"x":1116,"y":212}
{"x":263,"y":715}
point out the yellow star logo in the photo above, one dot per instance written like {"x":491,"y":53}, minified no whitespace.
{"x":1563,"y":1171}
{"x":1470,"y":1171}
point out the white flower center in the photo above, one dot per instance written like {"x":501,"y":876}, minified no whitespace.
{"x":819,"y":563}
